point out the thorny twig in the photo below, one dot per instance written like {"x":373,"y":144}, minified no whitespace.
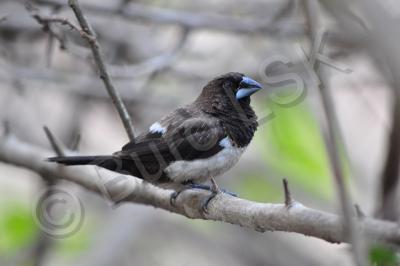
{"x":55,"y":144}
{"x":288,"y":197}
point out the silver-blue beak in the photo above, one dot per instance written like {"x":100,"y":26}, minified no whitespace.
{"x":247,"y":87}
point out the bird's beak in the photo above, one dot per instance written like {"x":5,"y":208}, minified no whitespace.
{"x":247,"y":87}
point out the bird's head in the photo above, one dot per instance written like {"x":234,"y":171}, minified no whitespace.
{"x":233,"y":86}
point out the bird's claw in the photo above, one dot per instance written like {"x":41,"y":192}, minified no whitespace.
{"x":173,"y":197}
{"x":214,"y":189}
{"x":206,"y":202}
{"x":229,"y":193}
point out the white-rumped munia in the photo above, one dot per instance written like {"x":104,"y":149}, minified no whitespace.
{"x":192,"y":145}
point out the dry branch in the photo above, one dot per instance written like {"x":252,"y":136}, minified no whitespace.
{"x":332,"y":136}
{"x":257,"y":216}
{"x":391,"y":173}
{"x":139,"y":12}
{"x":55,"y":144}
{"x":381,"y":44}
{"x":288,"y":196}
{"x":108,"y":83}
{"x":147,"y":67}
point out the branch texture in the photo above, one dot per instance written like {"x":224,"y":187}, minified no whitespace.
{"x":257,"y":216}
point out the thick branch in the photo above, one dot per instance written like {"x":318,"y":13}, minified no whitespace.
{"x":95,"y":47}
{"x":257,"y":216}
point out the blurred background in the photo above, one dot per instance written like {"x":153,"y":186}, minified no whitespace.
{"x":160,"y":55}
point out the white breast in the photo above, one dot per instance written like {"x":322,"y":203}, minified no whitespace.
{"x":203,"y":169}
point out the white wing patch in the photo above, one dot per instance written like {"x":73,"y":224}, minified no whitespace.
{"x":157,"y":128}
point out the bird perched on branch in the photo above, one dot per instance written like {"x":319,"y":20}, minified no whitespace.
{"x":192,"y":145}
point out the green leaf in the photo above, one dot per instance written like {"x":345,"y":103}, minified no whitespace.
{"x":381,"y":256}
{"x":293,"y":147}
{"x":17,"y":228}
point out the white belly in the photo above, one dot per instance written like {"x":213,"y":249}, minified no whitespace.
{"x":201,"y":170}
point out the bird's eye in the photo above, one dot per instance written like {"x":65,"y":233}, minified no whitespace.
{"x":227,"y":84}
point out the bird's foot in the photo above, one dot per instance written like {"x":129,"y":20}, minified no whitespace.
{"x":215,"y":190}
{"x":190,"y":185}
{"x":173,"y":197}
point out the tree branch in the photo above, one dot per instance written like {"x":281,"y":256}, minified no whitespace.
{"x":332,"y":136}
{"x":257,"y":216}
{"x":381,"y":44}
{"x":391,"y":173}
{"x":139,"y":12}
{"x":95,"y":47}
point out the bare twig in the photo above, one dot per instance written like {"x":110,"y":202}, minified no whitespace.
{"x":148,"y":67}
{"x":75,"y":142}
{"x":288,"y":197}
{"x":45,"y":21}
{"x":257,"y":216}
{"x":391,"y":174}
{"x":359,"y":212}
{"x":331,"y":135}
{"x":95,"y":47}
{"x":55,"y":144}
{"x":139,"y":12}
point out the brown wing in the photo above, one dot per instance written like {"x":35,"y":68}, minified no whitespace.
{"x":196,"y":138}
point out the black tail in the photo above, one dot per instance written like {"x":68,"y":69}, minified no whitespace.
{"x":109,"y":162}
{"x":81,"y":160}
{"x":113,"y":163}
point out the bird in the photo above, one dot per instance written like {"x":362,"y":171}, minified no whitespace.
{"x":192,"y":145}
